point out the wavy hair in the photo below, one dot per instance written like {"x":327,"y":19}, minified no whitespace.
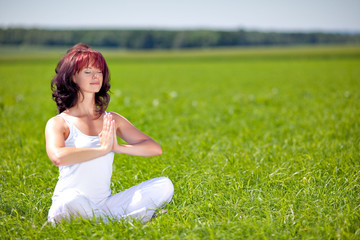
{"x":66,"y":91}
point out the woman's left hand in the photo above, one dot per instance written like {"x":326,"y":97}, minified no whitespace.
{"x":138,"y":143}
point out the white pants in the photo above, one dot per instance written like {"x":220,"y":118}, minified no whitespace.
{"x":139,"y":202}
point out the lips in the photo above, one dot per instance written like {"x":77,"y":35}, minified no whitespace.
{"x":95,"y":83}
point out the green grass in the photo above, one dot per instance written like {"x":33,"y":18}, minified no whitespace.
{"x":260,"y":143}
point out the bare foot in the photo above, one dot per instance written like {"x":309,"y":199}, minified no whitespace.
{"x":162,"y":211}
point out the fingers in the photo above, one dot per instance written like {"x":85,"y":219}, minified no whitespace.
{"x":108,"y":131}
{"x":107,"y":122}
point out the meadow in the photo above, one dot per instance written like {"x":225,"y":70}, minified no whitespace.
{"x":260,"y":143}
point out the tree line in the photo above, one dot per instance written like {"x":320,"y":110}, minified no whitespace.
{"x":168,"y":39}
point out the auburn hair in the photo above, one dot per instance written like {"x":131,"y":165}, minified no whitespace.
{"x":66,"y":91}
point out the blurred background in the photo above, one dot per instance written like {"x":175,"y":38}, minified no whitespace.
{"x":161,"y":24}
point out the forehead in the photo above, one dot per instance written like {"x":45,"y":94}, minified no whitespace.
{"x":89,"y":60}
{"x":91,"y":67}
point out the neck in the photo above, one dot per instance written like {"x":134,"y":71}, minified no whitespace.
{"x":85,"y":106}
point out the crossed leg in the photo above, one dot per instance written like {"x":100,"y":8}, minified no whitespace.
{"x":139,"y":202}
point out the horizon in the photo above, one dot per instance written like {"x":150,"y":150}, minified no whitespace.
{"x":106,"y":28}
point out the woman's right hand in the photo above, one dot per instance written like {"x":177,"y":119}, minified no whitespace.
{"x":107,"y":134}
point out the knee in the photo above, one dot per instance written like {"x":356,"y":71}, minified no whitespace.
{"x":167,"y":188}
{"x":76,"y":203}
{"x":69,"y":203}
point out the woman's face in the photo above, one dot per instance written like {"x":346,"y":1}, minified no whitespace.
{"x":89,"y":79}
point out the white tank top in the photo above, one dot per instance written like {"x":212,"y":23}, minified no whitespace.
{"x":91,"y":178}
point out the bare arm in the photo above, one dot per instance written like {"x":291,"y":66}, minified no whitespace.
{"x":139,"y":144}
{"x":61,"y":155}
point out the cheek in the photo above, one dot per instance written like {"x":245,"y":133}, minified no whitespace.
{"x":79,"y":79}
{"x":76,"y":78}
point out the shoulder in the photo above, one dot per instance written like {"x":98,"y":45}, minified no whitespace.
{"x":57,"y":120}
{"x":119,"y":119}
{"x":56,"y":124}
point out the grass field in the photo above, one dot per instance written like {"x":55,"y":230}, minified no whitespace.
{"x":260,"y":143}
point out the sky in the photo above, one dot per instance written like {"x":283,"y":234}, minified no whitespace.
{"x":264,"y":15}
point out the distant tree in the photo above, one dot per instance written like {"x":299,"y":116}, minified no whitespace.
{"x":166,"y":39}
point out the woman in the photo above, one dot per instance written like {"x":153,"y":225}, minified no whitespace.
{"x":82,"y":140}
